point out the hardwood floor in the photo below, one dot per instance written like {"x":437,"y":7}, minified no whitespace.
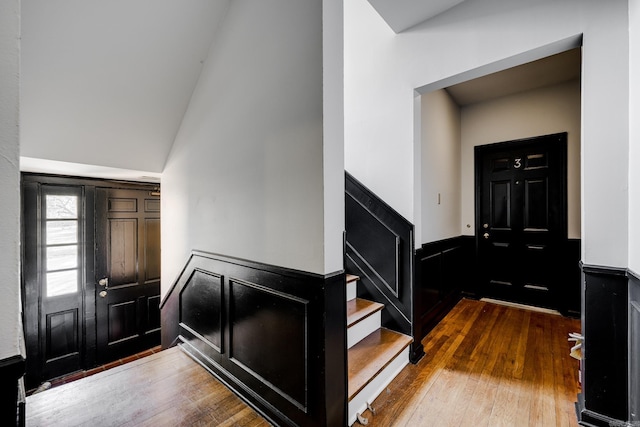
{"x":485,"y":365}
{"x":164,"y":389}
{"x":56,"y":382}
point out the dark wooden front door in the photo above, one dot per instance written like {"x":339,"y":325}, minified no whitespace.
{"x":521,"y":219}
{"x":76,"y":231}
{"x":127,"y":272}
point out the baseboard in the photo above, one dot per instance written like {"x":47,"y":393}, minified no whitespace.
{"x":589,"y":418}
{"x":12,"y":369}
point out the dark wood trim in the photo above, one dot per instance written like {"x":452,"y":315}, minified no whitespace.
{"x":283,"y":336}
{"x":605,"y":381}
{"x":634,"y":346}
{"x":12,"y":370}
{"x":87,"y":181}
{"x":589,"y":418}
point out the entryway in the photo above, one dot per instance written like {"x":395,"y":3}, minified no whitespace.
{"x":91,"y":272}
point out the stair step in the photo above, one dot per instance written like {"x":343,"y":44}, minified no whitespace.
{"x":371,"y":355}
{"x":358,"y":309}
{"x":352,"y":290}
{"x":363,"y":317}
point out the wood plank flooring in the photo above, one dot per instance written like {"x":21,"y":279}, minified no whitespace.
{"x":165,"y":389}
{"x":487,"y":365}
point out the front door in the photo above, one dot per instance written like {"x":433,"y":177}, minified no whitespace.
{"x":521,"y":219}
{"x":76,"y":231}
{"x":127,"y":272}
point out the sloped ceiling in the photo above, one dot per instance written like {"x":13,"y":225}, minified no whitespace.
{"x":107,"y":83}
{"x":552,"y":70}
{"x":403,"y":14}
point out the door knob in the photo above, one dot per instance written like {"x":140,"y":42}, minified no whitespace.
{"x":104,"y":282}
{"x":103,"y":294}
{"x":485,"y":235}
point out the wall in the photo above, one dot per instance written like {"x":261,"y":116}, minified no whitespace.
{"x":382,"y":70}
{"x":10,"y":325}
{"x":539,"y":112}
{"x":245,"y":175}
{"x":441,"y":127}
{"x":634,"y":137}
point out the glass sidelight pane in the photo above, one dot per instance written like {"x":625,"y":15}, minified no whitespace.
{"x":61,"y":207}
{"x":62,"y":257}
{"x":61,"y":232}
{"x":62,"y":282}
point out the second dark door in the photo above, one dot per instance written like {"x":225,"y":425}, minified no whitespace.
{"x":521,"y":218}
{"x":127,"y":272}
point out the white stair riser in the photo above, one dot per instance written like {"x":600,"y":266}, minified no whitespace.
{"x":352,"y":290}
{"x":358,"y":404}
{"x":364,"y":327}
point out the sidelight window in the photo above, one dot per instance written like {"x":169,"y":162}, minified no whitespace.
{"x":61,"y":241}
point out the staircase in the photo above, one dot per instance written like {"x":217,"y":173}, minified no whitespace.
{"x":376,"y":355}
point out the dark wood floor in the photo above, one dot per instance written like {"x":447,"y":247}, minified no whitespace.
{"x":485,"y":365}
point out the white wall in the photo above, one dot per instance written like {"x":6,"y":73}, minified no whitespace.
{"x":441,"y":128}
{"x":538,"y":112}
{"x":245,"y":175}
{"x":382,"y":70}
{"x":634,"y":137}
{"x":10,"y":325}
{"x":333,"y":133}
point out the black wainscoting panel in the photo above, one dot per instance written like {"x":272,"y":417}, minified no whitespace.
{"x":282,"y":331}
{"x":201,"y":308}
{"x":371,"y":242}
{"x":605,"y":348}
{"x":277,"y":324}
{"x":443,"y":270}
{"x":634,"y":347}
{"x":380,"y":250}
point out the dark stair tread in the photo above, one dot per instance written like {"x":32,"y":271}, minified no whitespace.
{"x":370,"y":356}
{"x":358,"y":309}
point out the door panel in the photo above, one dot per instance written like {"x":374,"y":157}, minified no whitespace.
{"x":127,"y":272}
{"x":521,"y":217}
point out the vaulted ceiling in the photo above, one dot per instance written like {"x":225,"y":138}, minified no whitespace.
{"x":105,"y":85}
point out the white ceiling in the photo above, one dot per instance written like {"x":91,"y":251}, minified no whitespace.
{"x":106,"y":83}
{"x":403,"y":14}
{"x":549,"y":71}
